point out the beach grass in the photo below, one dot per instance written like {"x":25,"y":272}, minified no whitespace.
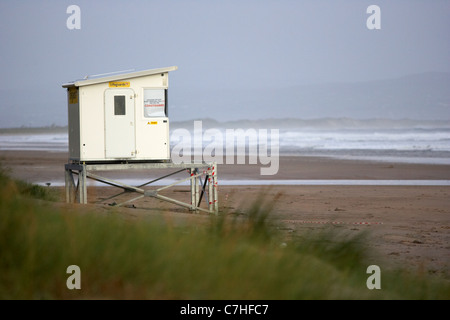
{"x":229,"y":257}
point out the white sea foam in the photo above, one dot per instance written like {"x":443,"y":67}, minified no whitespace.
{"x":401,"y":140}
{"x":415,"y":145}
{"x":57,"y":142}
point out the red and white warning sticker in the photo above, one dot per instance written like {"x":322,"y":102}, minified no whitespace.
{"x":333,"y":222}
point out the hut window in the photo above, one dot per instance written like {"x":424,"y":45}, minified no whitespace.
{"x":154,"y":103}
{"x":119,"y":105}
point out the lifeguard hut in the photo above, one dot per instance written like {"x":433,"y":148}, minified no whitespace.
{"x":119,"y":117}
{"x":120,"y":121}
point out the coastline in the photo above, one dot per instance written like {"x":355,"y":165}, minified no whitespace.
{"x":38,"y":166}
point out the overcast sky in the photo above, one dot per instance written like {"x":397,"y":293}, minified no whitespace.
{"x":215,"y":44}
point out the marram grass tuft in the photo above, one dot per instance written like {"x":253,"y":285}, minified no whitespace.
{"x":230,"y":258}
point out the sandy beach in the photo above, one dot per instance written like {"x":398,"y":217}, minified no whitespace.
{"x":407,"y":225}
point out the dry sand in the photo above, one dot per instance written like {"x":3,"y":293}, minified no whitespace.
{"x":407,"y":226}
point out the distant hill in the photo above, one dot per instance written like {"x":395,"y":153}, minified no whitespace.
{"x":316,"y":124}
{"x":423,"y":96}
{"x":273,"y":123}
{"x":34,"y":130}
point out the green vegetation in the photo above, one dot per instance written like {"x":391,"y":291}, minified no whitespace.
{"x":25,"y":189}
{"x":228,"y":258}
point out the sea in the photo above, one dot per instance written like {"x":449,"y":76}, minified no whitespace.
{"x":412,"y":143}
{"x":429,"y":146}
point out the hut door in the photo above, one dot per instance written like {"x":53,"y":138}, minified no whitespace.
{"x":120,"y":139}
